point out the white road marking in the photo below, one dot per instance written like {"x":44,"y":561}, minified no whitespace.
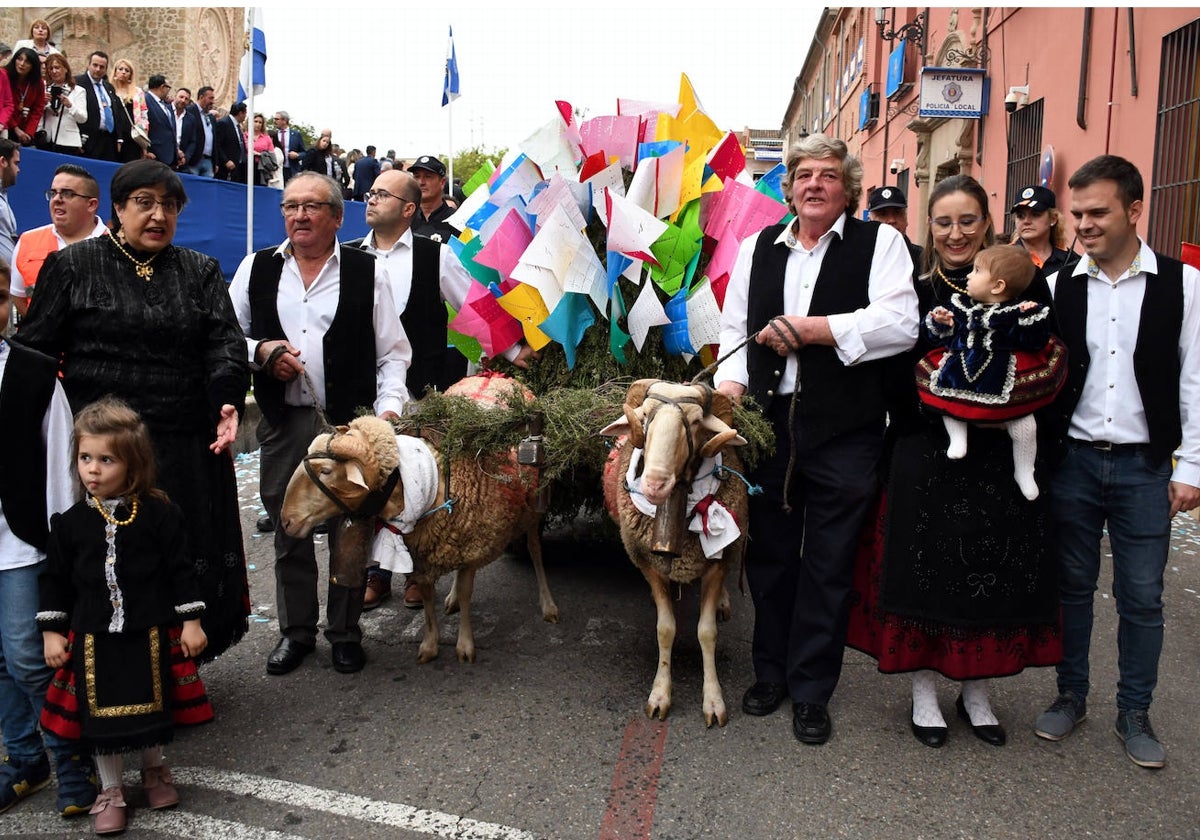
{"x":195,"y":826}
{"x":161,"y":823}
{"x":393,"y":814}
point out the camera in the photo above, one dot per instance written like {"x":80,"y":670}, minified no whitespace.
{"x":55,"y":92}
{"x":1017,"y":97}
{"x":898,"y":166}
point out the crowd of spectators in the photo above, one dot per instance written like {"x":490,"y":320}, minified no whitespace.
{"x":104,"y":114}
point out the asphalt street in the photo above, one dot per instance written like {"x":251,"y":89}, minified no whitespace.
{"x":544,"y":735}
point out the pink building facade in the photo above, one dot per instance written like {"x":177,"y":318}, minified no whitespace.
{"x":1079,"y":83}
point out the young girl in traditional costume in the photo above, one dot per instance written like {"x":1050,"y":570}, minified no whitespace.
{"x":999,"y":362}
{"x":120,"y":614}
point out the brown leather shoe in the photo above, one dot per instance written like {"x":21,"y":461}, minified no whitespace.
{"x":412,"y":595}
{"x":108,"y":812}
{"x":379,"y":589}
{"x":157,"y":783}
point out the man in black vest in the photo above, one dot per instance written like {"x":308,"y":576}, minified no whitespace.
{"x":37,"y":480}
{"x":1129,"y":318}
{"x":824,"y":300}
{"x":322,"y":330}
{"x":424,"y":276}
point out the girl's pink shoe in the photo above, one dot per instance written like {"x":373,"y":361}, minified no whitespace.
{"x":160,"y":792}
{"x":108,"y":811}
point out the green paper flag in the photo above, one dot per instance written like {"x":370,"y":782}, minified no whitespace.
{"x":480,"y":177}
{"x":617,"y":337}
{"x":469,"y":347}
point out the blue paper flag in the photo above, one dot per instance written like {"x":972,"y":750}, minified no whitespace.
{"x":675,"y":334}
{"x":617,"y":263}
{"x":568,"y":322}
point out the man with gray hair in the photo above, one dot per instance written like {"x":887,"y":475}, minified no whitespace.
{"x":289,"y":141}
{"x":322,"y":332}
{"x":823,"y":301}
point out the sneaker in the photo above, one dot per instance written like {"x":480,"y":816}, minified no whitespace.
{"x":1060,"y":720}
{"x":18,"y":781}
{"x":379,"y":589}
{"x":76,"y":786}
{"x":108,"y":812}
{"x":1141,"y":744}
{"x":159,"y":787}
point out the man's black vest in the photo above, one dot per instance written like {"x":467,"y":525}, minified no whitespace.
{"x":25,"y":395}
{"x":834,"y":397}
{"x":424,"y":317}
{"x":1155,"y":357}
{"x":349,"y":343}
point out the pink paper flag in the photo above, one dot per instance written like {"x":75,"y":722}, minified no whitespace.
{"x":482,"y":318}
{"x":615,"y":135}
{"x":506,"y":244}
{"x":739,"y":210}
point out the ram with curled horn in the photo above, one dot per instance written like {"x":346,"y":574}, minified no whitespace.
{"x":438,"y":514}
{"x":672,"y":484}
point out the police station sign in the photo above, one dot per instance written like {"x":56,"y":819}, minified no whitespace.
{"x":953,"y":92}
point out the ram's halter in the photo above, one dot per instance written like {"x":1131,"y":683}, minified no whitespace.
{"x":375,"y":500}
{"x":704,"y":401}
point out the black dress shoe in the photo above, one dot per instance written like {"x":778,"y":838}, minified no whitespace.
{"x":348,"y":657}
{"x":990,"y":733}
{"x":930,"y":736}
{"x":763,"y":698}
{"x":811,"y":723}
{"x":287,"y":656}
{"x":265,"y":523}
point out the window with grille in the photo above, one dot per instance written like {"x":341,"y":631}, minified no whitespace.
{"x":1024,"y":153}
{"x":1175,"y":185}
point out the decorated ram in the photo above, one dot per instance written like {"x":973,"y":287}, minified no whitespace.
{"x":449,"y":517}
{"x":671,"y":485}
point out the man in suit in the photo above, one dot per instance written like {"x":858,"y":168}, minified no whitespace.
{"x":1127,"y":438}
{"x":202,"y":111}
{"x":229,"y":145}
{"x":163,"y":143}
{"x":100,"y":129}
{"x":288,"y":141}
{"x":365,"y":173}
{"x":188,"y":130}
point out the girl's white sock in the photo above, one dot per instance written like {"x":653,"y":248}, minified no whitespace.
{"x":110,"y":768}
{"x":925,"y":710}
{"x":975,"y":698}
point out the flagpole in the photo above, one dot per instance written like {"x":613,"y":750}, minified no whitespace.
{"x":450,"y":140}
{"x":250,"y":149}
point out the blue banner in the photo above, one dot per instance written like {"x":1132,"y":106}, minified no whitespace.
{"x":213,"y":222}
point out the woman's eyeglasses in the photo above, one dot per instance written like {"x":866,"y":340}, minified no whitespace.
{"x":145,"y":203}
{"x":966,"y":224}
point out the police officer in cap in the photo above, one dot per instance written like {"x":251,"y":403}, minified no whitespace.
{"x":888,"y":206}
{"x":1039,"y":229}
{"x":431,"y":216}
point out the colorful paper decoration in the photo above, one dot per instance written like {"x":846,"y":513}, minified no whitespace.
{"x":568,"y":322}
{"x":526,"y":305}
{"x":482,"y":318}
{"x":506,"y":244}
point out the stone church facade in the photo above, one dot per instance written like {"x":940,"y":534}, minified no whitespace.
{"x":191,"y":46}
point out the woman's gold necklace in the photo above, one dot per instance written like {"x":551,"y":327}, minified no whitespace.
{"x":141,"y":267}
{"x":941,"y":274}
{"x":112,"y":520}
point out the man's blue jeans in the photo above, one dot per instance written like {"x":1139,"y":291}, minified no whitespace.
{"x":24,"y":675}
{"x":1117,"y":487}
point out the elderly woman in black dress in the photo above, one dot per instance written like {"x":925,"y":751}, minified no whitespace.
{"x":135,"y":316}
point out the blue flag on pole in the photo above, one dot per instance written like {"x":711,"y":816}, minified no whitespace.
{"x":450,"y":84}
{"x":254,"y":62}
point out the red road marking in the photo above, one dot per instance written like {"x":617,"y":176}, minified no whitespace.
{"x":630,"y":814}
